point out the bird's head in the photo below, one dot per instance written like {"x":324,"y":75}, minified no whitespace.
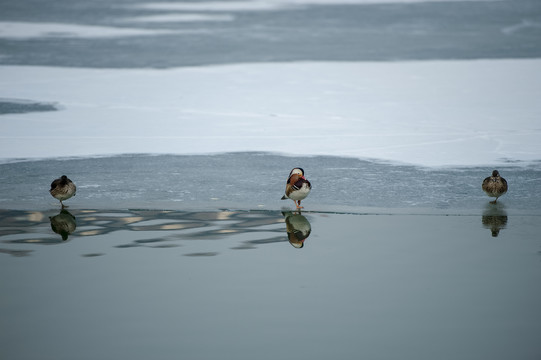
{"x":297,"y":171}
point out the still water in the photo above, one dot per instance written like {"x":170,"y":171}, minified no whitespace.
{"x":140,"y":284}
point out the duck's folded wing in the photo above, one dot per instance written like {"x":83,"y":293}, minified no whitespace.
{"x":300,"y":182}
{"x":54,"y":184}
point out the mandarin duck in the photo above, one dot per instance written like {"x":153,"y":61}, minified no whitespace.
{"x":297,"y":187}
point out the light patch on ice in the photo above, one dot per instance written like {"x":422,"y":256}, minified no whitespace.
{"x":265,"y":5}
{"x":432,"y":113}
{"x":182,"y":17}
{"x":212,"y":6}
{"x":30,"y":30}
{"x":524,"y":24}
{"x":364,"y":2}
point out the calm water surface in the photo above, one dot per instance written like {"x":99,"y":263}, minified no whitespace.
{"x":139,"y":284}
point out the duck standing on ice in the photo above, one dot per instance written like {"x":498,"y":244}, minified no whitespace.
{"x":62,"y":189}
{"x":495,"y":186}
{"x":297,"y":187}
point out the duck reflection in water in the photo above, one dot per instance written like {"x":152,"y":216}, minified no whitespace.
{"x":495,"y":219}
{"x":298,"y":228}
{"x":63,"y":224}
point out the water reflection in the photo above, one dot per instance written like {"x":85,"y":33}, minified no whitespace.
{"x":494,"y":218}
{"x":152,"y":229}
{"x":16,"y":253}
{"x":298,"y":228}
{"x":64,"y":224}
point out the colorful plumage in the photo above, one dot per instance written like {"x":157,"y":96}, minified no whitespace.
{"x":297,"y":187}
{"x":298,"y":228}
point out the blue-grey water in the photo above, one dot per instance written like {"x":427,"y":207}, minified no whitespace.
{"x":196,"y":257}
{"x":377,"y":32}
{"x":142,"y":284}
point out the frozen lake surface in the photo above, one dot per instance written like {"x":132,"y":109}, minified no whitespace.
{"x":431,"y":83}
{"x":180,"y":121}
{"x":429,"y":113}
{"x":139,"y":34}
{"x":256,"y":181}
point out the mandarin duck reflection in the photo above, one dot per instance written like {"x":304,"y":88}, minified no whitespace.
{"x":494,"y":186}
{"x":298,"y":228}
{"x":62,"y":189}
{"x":297,"y":187}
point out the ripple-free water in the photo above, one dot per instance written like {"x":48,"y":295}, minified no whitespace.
{"x":145,"y":284}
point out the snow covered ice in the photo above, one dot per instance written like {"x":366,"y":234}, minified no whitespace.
{"x":436,"y":113}
{"x":291,"y":77}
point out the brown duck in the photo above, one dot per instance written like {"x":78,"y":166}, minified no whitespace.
{"x":62,"y":189}
{"x":495,"y":186}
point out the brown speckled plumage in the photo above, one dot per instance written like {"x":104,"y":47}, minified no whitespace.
{"x":62,"y":189}
{"x":495,"y":185}
{"x":63,"y":224}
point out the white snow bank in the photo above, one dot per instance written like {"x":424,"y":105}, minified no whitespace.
{"x":180,"y":17}
{"x":265,"y":5}
{"x":428,"y":113}
{"x":233,"y":7}
{"x":30,"y":30}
